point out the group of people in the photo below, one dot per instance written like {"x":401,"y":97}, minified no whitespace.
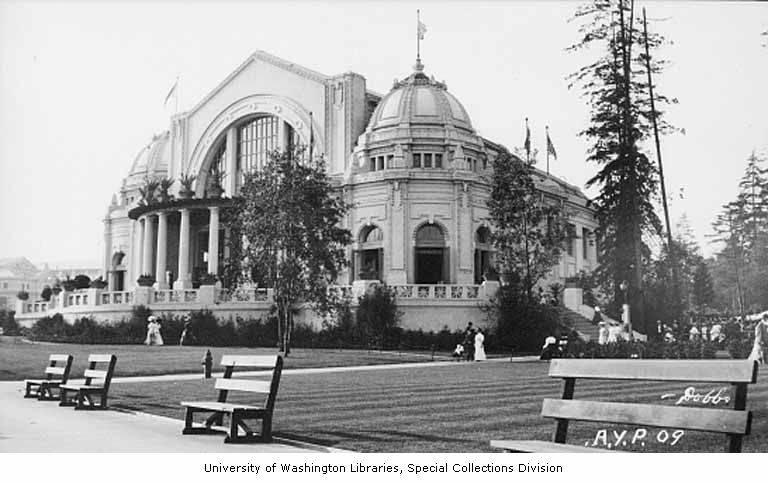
{"x":472,"y":347}
{"x":154,"y":337}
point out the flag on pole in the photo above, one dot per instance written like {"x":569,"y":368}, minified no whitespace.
{"x":422,"y":29}
{"x":551,"y":147}
{"x":171,"y":92}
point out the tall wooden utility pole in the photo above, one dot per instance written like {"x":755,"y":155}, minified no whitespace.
{"x":670,"y":245}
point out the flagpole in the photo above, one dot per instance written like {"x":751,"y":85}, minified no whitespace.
{"x":546,"y":129}
{"x":418,"y":36}
{"x":311,"y":136}
{"x":178,"y":93}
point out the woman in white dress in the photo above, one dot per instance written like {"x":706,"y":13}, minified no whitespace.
{"x":153,"y":332}
{"x":479,"y":346}
{"x":761,"y":341}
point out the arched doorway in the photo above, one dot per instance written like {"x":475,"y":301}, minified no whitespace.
{"x":483,"y":253}
{"x":431,"y":256}
{"x":117,"y":282}
{"x":369,"y":259}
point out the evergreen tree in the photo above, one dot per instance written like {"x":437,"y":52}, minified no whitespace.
{"x":703,"y":290}
{"x":291,"y":218}
{"x":617,"y":91}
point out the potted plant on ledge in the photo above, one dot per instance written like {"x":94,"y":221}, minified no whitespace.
{"x":186,"y":181}
{"x":69,"y":285}
{"x":145,"y":280}
{"x":98,"y":283}
{"x":23,"y":295}
{"x":164,"y":188}
{"x":215,"y":180}
{"x":208,"y":279}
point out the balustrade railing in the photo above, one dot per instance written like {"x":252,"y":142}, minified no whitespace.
{"x":116,"y":298}
{"x":243,"y":295}
{"x":172,"y":296}
{"x":430,"y":292}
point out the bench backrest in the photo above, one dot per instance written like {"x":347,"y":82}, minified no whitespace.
{"x":227,"y":383}
{"x":735,"y":423}
{"x":100,"y":377}
{"x":59,"y":366}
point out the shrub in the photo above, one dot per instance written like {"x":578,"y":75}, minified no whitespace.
{"x":8,"y":322}
{"x":377,"y":318}
{"x":521,"y":325}
{"x":52,"y":328}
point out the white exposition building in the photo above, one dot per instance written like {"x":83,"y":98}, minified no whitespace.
{"x":410,"y":162}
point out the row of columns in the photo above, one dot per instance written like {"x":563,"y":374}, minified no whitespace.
{"x":146,"y":253}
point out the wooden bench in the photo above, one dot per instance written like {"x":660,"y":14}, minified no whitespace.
{"x":96,"y":384}
{"x":55,"y":375}
{"x":735,"y":423}
{"x":238,"y":413}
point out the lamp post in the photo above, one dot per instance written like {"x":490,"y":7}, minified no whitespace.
{"x":624,"y":286}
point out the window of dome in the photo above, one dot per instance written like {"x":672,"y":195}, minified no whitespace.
{"x":428,"y":160}
{"x":392,"y":104}
{"x":424,"y":102}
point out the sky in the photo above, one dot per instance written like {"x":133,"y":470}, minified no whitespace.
{"x":82,"y":87}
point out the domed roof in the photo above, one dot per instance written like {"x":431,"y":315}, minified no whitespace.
{"x":153,"y":157}
{"x":419,"y":99}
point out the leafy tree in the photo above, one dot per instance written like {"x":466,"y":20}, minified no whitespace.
{"x":616,"y":87}
{"x":529,"y":230}
{"x":291,"y":219}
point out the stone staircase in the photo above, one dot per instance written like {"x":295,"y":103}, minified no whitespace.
{"x":576,"y":321}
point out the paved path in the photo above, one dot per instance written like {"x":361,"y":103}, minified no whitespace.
{"x":29,"y":425}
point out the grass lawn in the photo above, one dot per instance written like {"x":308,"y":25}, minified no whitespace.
{"x":20,"y":360}
{"x":454,"y":408}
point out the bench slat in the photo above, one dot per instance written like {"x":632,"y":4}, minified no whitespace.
{"x":100,"y":358}
{"x":55,"y":370}
{"x":741,"y":371}
{"x":219,"y":406}
{"x":59,"y":357}
{"x":249,"y":385}
{"x":714,"y":420}
{"x":249,"y":361}
{"x":95,"y":374}
{"x":530,"y":446}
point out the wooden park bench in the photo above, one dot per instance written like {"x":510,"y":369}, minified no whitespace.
{"x":735,"y":423}
{"x":237,"y":412}
{"x":96,"y":384}
{"x":55,"y":375}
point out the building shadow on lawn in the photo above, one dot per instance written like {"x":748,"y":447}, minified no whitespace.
{"x":372,"y":436}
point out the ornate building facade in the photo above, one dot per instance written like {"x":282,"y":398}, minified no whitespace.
{"x":410,"y":162}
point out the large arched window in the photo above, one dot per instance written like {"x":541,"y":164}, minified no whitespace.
{"x":256,"y":138}
{"x":369,"y":259}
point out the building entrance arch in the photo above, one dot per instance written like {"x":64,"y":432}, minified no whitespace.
{"x":430,"y":255}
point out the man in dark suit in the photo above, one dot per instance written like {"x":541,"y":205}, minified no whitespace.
{"x":469,"y":342}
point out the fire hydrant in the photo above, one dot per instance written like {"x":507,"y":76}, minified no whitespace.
{"x":207,"y":364}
